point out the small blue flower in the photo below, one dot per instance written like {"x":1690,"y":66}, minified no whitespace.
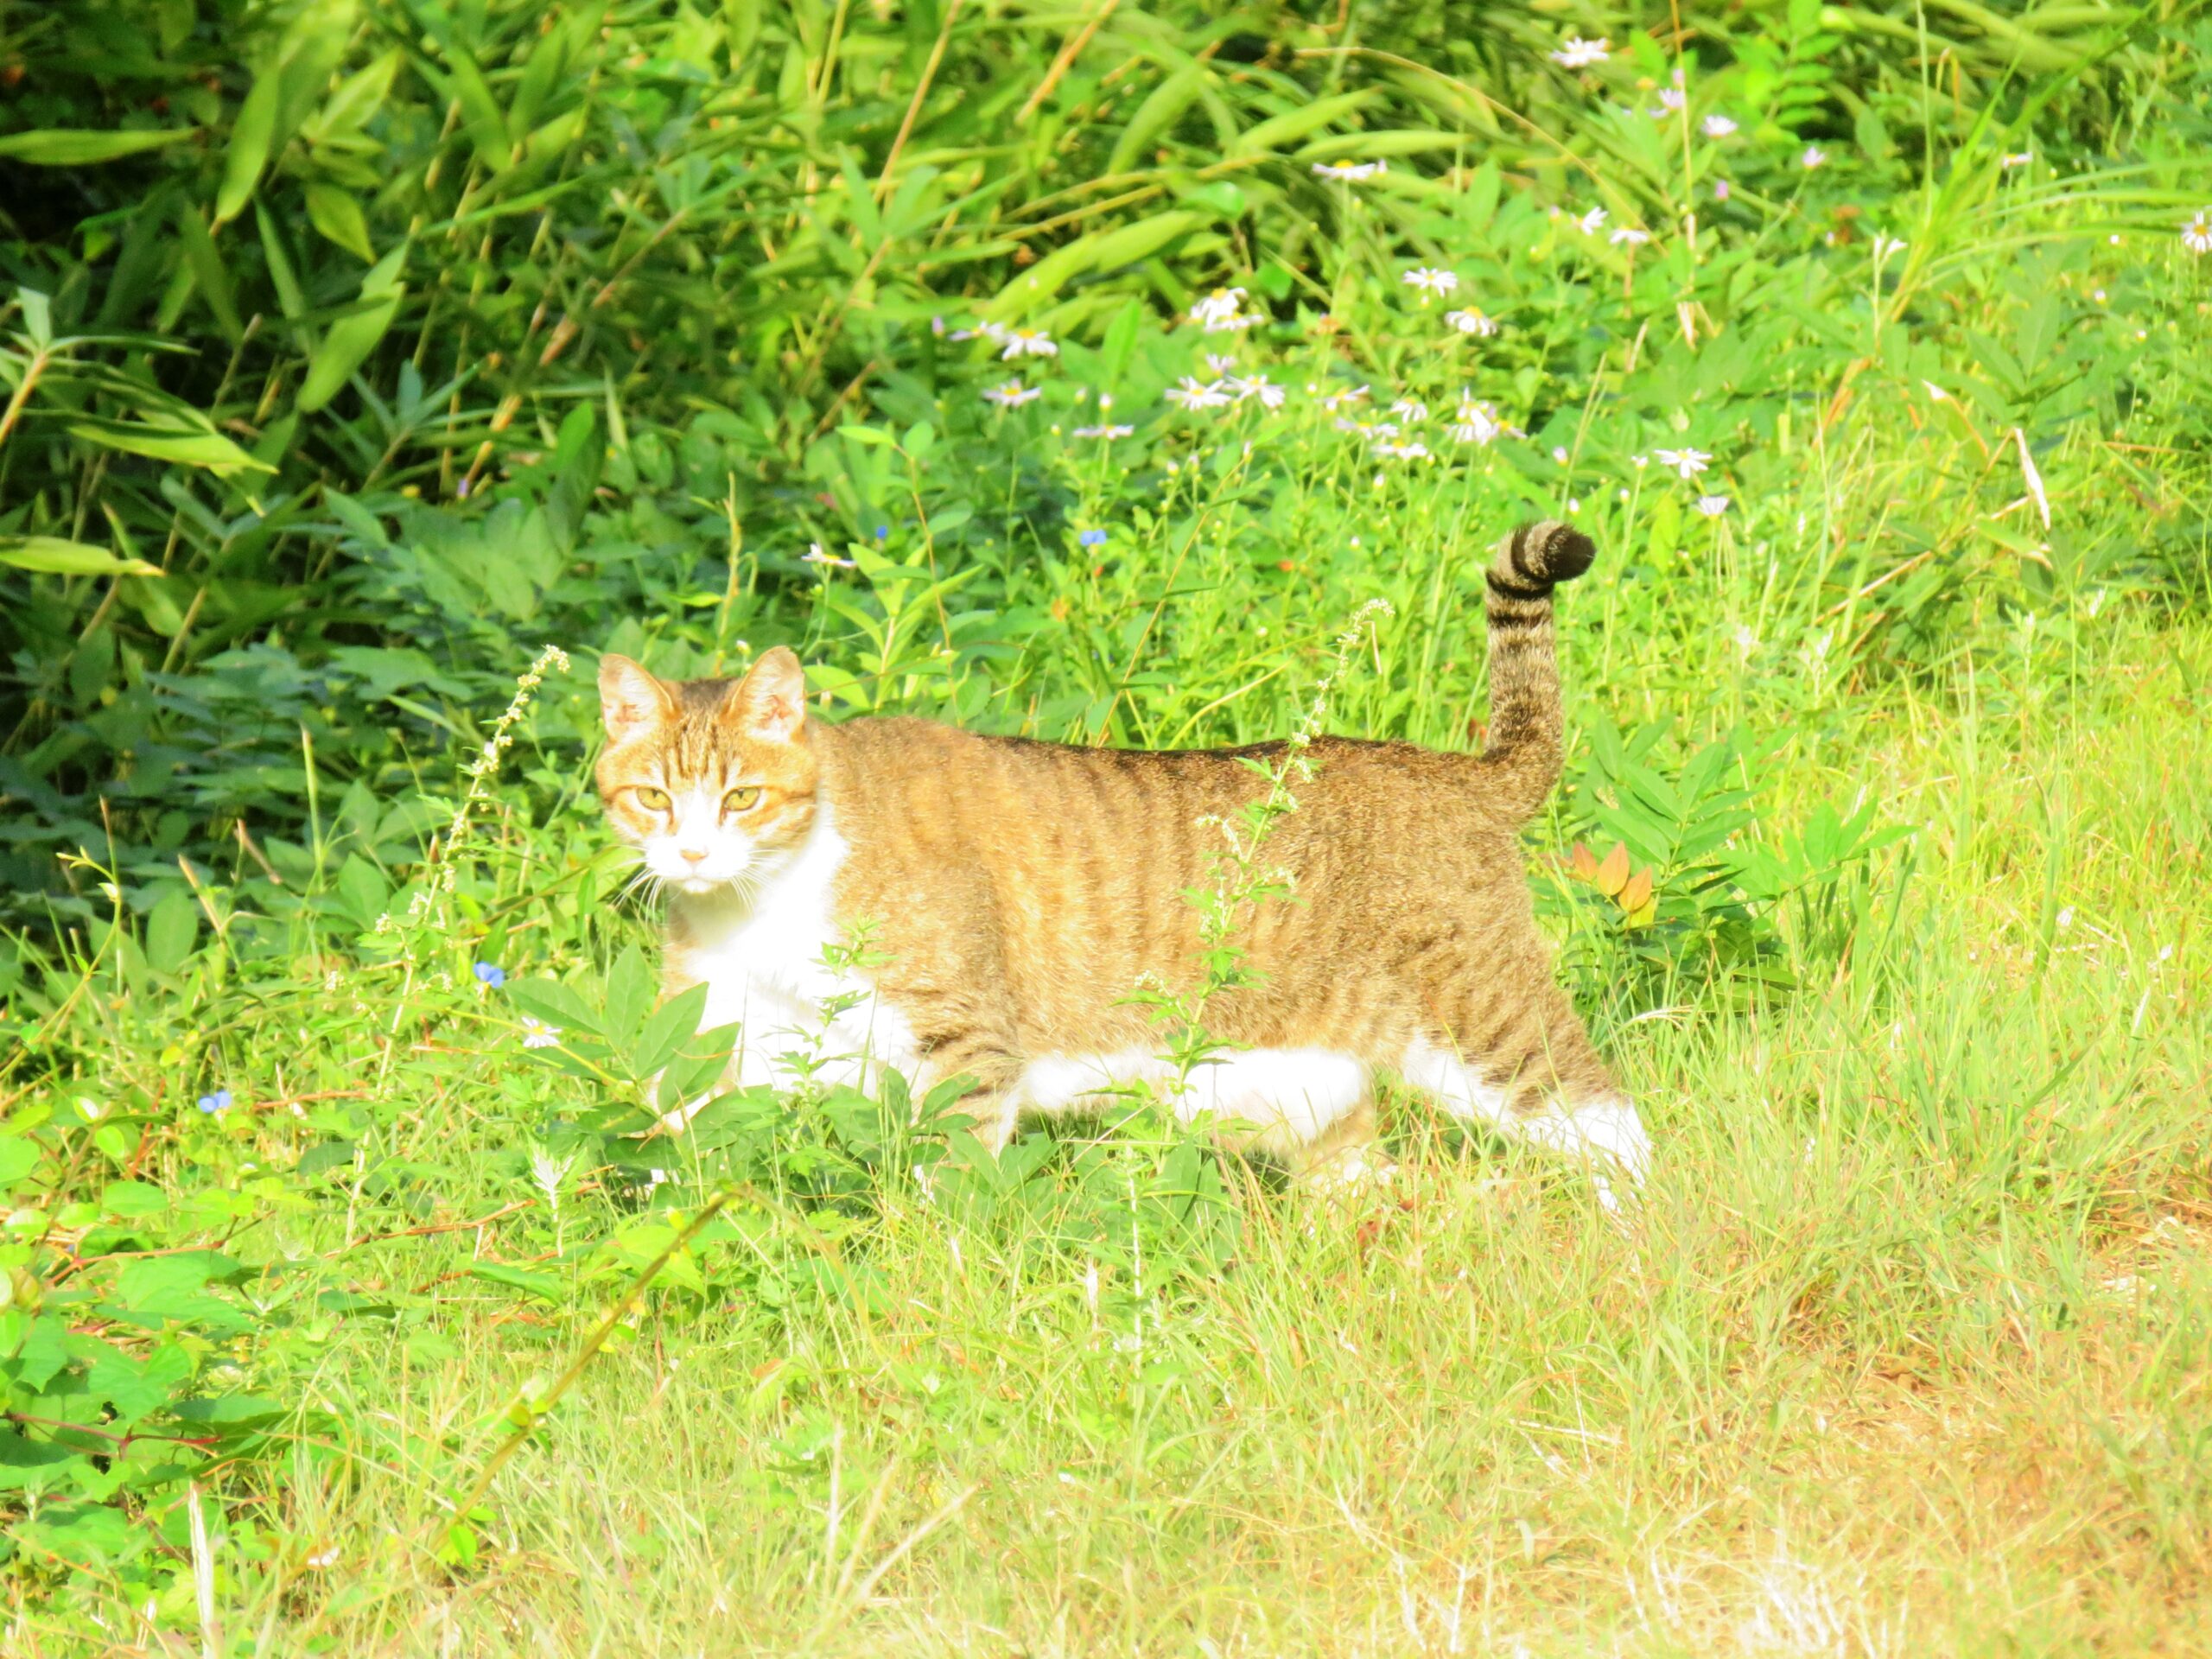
{"x":883,"y":532}
{"x":491,"y":974}
{"x":217,"y":1102}
{"x":1092,"y":538}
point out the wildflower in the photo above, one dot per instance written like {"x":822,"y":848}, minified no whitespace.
{"x":1671,"y":99}
{"x":535,"y":1033}
{"x":491,"y":974}
{"x":1813,"y":156}
{"x":1426,"y":280}
{"x":1108,"y":433}
{"x":1373,"y":430}
{"x":1471,"y":321}
{"x":1476,"y":423}
{"x":2021,"y":160}
{"x":1349,"y":172}
{"x":2066,"y":916}
{"x":1258,"y":385}
{"x":1575,"y":52}
{"x":1192,"y":395}
{"x":1717,"y":126}
{"x":1218,"y":312}
{"x":1721,"y":189}
{"x":936,"y":324}
{"x":883,"y":532}
{"x":1713,"y":505}
{"x":1221,"y":364}
{"x":1012,"y":394}
{"x":1336,"y":400}
{"x":1558,"y":454}
{"x":1746,"y":643}
{"x":323,"y":1558}
{"x":1027,"y":342}
{"x":1410,"y":409}
{"x":217,"y":1102}
{"x":1628,"y":237}
{"x":2196,"y":235}
{"x":1686,"y":463}
{"x":814,"y":554}
{"x":994,"y":332}
{"x":1092,"y":538}
{"x":1414,"y":451}
{"x":1886,"y":245}
{"x":1591,"y":222}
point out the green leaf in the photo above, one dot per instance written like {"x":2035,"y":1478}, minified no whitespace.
{"x":75,"y":147}
{"x":189,"y":446}
{"x":59,"y":557}
{"x":544,"y":1286}
{"x":629,"y":993}
{"x":18,"y":1157}
{"x":673,"y":1024}
{"x":339,"y":217}
{"x":352,"y":337}
{"x":252,"y":136}
{"x":172,"y":928}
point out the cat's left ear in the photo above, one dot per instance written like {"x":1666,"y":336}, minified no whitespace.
{"x":770,"y":702}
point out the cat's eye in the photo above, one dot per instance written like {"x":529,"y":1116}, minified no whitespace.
{"x":653,"y":800}
{"x":739,"y":799}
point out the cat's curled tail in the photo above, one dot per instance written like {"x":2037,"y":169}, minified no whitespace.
{"x":1521,"y":761}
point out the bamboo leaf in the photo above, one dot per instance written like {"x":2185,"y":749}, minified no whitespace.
{"x":252,"y":138}
{"x":352,"y":337}
{"x":184,"y":445}
{"x":56,"y":556}
{"x":77,"y":147}
{"x":338,"y":216}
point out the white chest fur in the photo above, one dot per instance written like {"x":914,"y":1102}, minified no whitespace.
{"x":764,"y":960}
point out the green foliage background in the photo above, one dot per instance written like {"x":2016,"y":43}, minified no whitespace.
{"x":356,"y":349}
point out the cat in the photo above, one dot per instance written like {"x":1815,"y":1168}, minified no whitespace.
{"x":1016,"y":892}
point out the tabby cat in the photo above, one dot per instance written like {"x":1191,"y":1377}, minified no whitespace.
{"x":1020,"y":890}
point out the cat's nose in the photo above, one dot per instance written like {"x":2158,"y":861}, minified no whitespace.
{"x":694,"y":853}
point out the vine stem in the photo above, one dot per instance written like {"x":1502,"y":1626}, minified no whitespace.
{"x":536,"y":1410}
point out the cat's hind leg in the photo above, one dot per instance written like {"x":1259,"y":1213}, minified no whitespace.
{"x":1591,"y":1122}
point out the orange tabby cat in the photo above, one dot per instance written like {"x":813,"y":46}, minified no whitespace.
{"x":1022,"y":889}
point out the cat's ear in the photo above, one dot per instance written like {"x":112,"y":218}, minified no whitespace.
{"x":770,"y":702}
{"x":631,"y":700}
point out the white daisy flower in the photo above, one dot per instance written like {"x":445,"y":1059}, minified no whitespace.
{"x":1426,"y":280}
{"x":1813,"y":156}
{"x":1575,"y":52}
{"x":1717,"y":126}
{"x":1349,"y":172}
{"x":1027,"y":342}
{"x":1415,"y":451}
{"x":1471,"y":321}
{"x":1476,"y":422}
{"x":1627,"y":237}
{"x":1337,"y":400}
{"x":1012,"y":394}
{"x":1410,"y":409}
{"x":1713,"y":505}
{"x":1192,"y":395}
{"x":1106,"y":432}
{"x":1688,"y":463}
{"x":1591,"y":222}
{"x":535,"y":1033}
{"x":1886,"y":245}
{"x":1270,"y":396}
{"x":1220,"y":364}
{"x":992,"y":331}
{"x":1364,"y":427}
{"x":2021,"y":160}
{"x":1218,"y":309}
{"x":2196,"y":235}
{"x":1671,"y":99}
{"x":816,"y":555}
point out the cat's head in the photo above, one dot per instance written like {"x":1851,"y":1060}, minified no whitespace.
{"x":712,"y":781}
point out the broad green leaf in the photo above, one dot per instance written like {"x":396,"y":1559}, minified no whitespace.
{"x":172,"y":928}
{"x":353,"y":337}
{"x":70,"y":147}
{"x":338,"y":216}
{"x":58,"y":556}
{"x":544,"y":1286}
{"x":18,"y":1157}
{"x":1295,"y":124}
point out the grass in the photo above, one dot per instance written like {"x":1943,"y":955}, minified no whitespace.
{"x":1905,"y":1354}
{"x":1906,"y":1350}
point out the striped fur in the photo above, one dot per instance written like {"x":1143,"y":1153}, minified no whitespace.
{"x":1021,"y":890}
